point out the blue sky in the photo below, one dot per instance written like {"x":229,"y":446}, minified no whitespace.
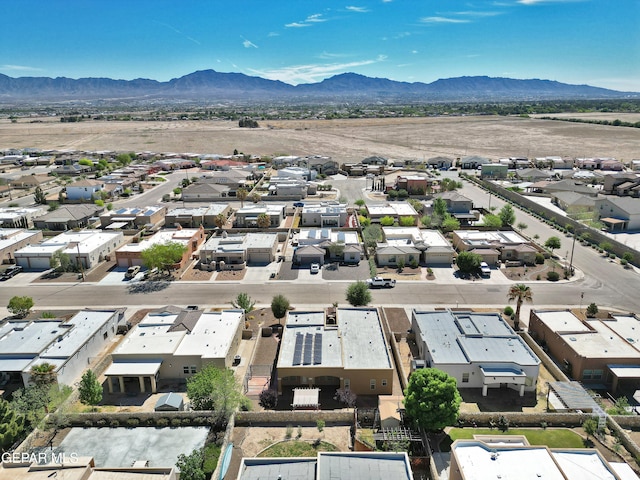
{"x":595,"y":42}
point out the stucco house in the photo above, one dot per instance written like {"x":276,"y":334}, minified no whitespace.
{"x":237,"y":251}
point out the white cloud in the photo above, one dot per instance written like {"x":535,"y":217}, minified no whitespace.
{"x":20,"y":68}
{"x":248,"y":44}
{"x":327,"y":55}
{"x":352,"y":8}
{"x":297,"y":25}
{"x":312,"y":73}
{"x":273,"y":34}
{"x":315,"y":18}
{"x":536,"y":2}
{"x":414,"y":51}
{"x":443,"y":20}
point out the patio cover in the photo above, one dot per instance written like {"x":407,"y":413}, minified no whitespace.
{"x":501,"y":374}
{"x":133,"y":369}
{"x":306,"y":398}
{"x":625,"y":371}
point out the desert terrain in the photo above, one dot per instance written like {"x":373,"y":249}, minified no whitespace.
{"x":344,"y":140}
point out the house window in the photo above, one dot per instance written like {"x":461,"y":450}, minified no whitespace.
{"x":372,"y":384}
{"x":465,"y":377}
{"x":105,"y":335}
{"x":384,"y":382}
{"x":193,"y":369}
{"x":185,"y":370}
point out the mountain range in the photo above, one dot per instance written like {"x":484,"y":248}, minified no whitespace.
{"x":212,"y":86}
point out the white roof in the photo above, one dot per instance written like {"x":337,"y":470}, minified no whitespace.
{"x":392,"y":209}
{"x":212,"y":335}
{"x":601,"y":342}
{"x":476,"y":237}
{"x":84,"y":241}
{"x":182,"y":236}
{"x":399,"y":236}
{"x":11,"y":236}
{"x":133,"y":368}
{"x":149,"y":340}
{"x":561,"y":321}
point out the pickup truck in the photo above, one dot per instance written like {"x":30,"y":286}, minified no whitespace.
{"x":379,"y":282}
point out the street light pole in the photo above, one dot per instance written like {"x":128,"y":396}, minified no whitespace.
{"x":573,"y":247}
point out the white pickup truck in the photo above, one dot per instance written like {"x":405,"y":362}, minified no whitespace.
{"x":379,"y":282}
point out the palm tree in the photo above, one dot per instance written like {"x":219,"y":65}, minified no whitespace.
{"x":263,"y":220}
{"x":220,"y":220}
{"x":242,"y":196}
{"x":519,"y":292}
{"x":43,"y":374}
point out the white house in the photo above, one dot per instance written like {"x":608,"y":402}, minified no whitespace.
{"x":324,"y":216}
{"x":84,"y":189}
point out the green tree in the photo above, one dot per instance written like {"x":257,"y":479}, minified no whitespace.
{"x":336,"y":250}
{"x":592,"y":310}
{"x":387,"y":221}
{"x":280,"y":306}
{"x":628,"y":257}
{"x":123,"y":158}
{"x":432,"y":400}
{"x":86,"y":162}
{"x":360,"y":202}
{"x":450,"y":223}
{"x":263,"y":221}
{"x":242,"y":194}
{"x":61,"y":262}
{"x":520,"y":293}
{"x":468,"y":262}
{"x":11,"y":425}
{"x":39,"y":196}
{"x":163,"y":255}
{"x":191,"y":466}
{"x":20,"y":306}
{"x":440,"y":207}
{"x":590,"y":426}
{"x":552,"y":244}
{"x":358,"y":294}
{"x":372,"y":234}
{"x":90,"y":389}
{"x":220,"y":220}
{"x":522,"y":226}
{"x":216,"y":389}
{"x":492,"y":221}
{"x":243,"y":301}
{"x":507,"y":215}
{"x":43,"y":374}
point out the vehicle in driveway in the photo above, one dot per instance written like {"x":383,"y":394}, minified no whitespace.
{"x":298,"y":204}
{"x":10,"y":272}
{"x":315,"y":268}
{"x":485,"y":270}
{"x":379,"y":282}
{"x":131,"y":272}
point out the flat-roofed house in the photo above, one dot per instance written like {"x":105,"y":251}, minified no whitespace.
{"x":193,"y":217}
{"x":86,"y":247}
{"x":85,"y":189}
{"x":13,"y":239}
{"x":323,"y":216}
{"x":592,"y":351}
{"x":396,"y":210}
{"x":20,"y":217}
{"x":173,"y":344}
{"x":248,"y":216}
{"x":345,"y":351}
{"x":133,"y":217}
{"x":236,"y":251}
{"x":131,"y":253}
{"x":67,"y":345}
{"x":480,"y":350}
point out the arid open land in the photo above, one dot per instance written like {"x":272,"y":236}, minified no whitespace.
{"x":344,"y":140}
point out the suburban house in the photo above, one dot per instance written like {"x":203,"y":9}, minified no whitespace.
{"x":323,"y":216}
{"x":85,"y":247}
{"x":553,"y":162}
{"x":569,"y":185}
{"x":409,"y":244}
{"x":413,"y":184}
{"x":298,"y":172}
{"x":20,"y":217}
{"x":74,"y":169}
{"x":234,"y":178}
{"x":341,"y":246}
{"x":574,"y":203}
{"x":131,"y":253}
{"x":459,"y":206}
{"x":619,"y":213}
{"x":330,"y":465}
{"x":85,"y":189}
{"x":480,"y":350}
{"x":494,"y":245}
{"x":321,"y":164}
{"x":395,"y":210}
{"x":347,"y":349}
{"x":196,"y":216}
{"x":440,"y":162}
{"x":67,"y":345}
{"x":501,"y":456}
{"x":305,"y":255}
{"x":613,"y":181}
{"x":592,"y":351}
{"x":247,"y":217}
{"x":473,"y":162}
{"x":293,"y":188}
{"x":12,"y":239}
{"x":206,"y":192}
{"x":234,"y":252}
{"x":68,"y":217}
{"x":30,"y":181}
{"x":172,"y":344}
{"x":532,"y":174}
{"x":494,"y":171}
{"x":127,"y":218}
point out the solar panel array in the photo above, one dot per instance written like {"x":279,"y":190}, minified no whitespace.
{"x":307,"y":349}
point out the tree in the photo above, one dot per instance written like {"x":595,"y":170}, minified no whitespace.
{"x":468,"y":262}
{"x":346,"y":396}
{"x":123,"y":158}
{"x":590,"y":426}
{"x":242,"y":193}
{"x":216,"y":389}
{"x":220,"y":220}
{"x":11,"y":424}
{"x":263,"y":221}
{"x":552,"y":243}
{"x":43,"y":374}
{"x":90,"y":389}
{"x":280,"y":306}
{"x":163,"y":255}
{"x":360,"y":202}
{"x":522,"y":226}
{"x":39,"y":197}
{"x":191,"y":466}
{"x":432,"y":400}
{"x":440,"y":207}
{"x":492,"y":221}
{"x":358,"y":294}
{"x":592,"y":310}
{"x":520,"y":293}
{"x":243,"y":301}
{"x":61,"y":262}
{"x":372,"y":234}
{"x":450,"y":223}
{"x":255,"y":197}
{"x":20,"y":306}
{"x":628,"y":257}
{"x":507,"y":215}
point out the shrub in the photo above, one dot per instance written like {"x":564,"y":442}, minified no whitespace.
{"x":114,"y":423}
{"x":429,"y":271}
{"x":320,"y":425}
{"x":133,"y":422}
{"x":176,"y":422}
{"x":289,"y":432}
{"x":162,"y":422}
{"x":413,"y":263}
{"x":508,"y":310}
{"x":553,"y":276}
{"x":539,"y":258}
{"x":268,"y":399}
{"x":592,"y":310}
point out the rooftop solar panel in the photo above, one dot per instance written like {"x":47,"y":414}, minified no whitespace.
{"x":317,"y":349}
{"x":308,"y":349}
{"x":297,"y":353}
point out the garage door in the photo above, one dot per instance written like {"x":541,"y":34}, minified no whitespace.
{"x":260,"y":258}
{"x":34,"y":263}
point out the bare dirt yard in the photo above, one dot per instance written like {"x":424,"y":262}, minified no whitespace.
{"x":344,"y":140}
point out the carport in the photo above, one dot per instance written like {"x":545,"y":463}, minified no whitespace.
{"x":502,"y":375}
{"x":626,"y":373}
{"x":140,"y":369}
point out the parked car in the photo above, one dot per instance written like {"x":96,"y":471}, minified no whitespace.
{"x":132,"y":272}
{"x":298,"y":204}
{"x":315,"y":268}
{"x":379,"y":282}
{"x":485,"y":270}
{"x":10,"y":272}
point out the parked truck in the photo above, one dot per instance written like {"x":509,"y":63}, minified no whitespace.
{"x":379,"y":282}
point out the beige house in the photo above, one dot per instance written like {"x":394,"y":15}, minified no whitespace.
{"x":236,"y":251}
{"x":172,"y":344}
{"x":342,"y":350}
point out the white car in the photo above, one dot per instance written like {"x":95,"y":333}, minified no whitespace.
{"x":485,"y":270}
{"x":315,"y":268}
